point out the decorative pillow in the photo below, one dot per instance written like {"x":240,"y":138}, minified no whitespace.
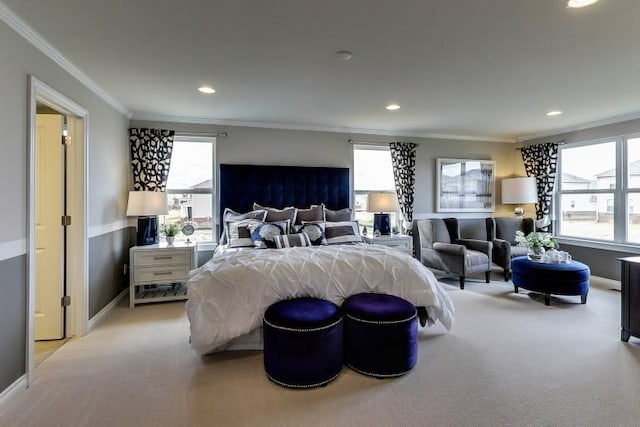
{"x":239,"y":233}
{"x":314,"y":213}
{"x":263,"y":234}
{"x":230,"y":215}
{"x":315,"y":231}
{"x":292,"y":240}
{"x":274,"y":214}
{"x":342,"y":232}
{"x":339,"y":215}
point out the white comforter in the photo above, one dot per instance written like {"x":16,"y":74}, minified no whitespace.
{"x":228,"y":295}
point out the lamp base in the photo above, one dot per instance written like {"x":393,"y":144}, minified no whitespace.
{"x":519,"y":211}
{"x":147,"y":230}
{"x":382,"y":223}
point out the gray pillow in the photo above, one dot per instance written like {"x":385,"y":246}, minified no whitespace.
{"x":292,"y":240}
{"x":337,"y":216}
{"x":230,"y":215}
{"x":314,"y":213}
{"x":273,"y":214}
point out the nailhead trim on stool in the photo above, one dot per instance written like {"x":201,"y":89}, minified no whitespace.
{"x":303,"y":342}
{"x":380,"y":334}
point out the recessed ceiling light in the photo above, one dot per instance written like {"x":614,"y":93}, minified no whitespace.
{"x":580,"y":3}
{"x":207,"y":89}
{"x":344,"y":55}
{"x":554,"y":113}
{"x":392,"y":107}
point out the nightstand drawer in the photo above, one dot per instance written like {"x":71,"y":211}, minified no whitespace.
{"x":168,"y":274}
{"x":165,"y":257}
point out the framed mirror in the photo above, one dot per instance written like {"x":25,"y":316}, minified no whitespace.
{"x":465,"y":185}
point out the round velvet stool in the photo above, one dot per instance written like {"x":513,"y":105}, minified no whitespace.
{"x":303,"y":342}
{"x":380,"y":334}
{"x":570,"y":278}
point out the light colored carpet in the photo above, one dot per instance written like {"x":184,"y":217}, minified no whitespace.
{"x":43,"y":349}
{"x":508,"y":361}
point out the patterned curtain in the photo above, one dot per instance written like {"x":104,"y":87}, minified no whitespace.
{"x":541,"y":161}
{"x":150,"y":158}
{"x":403,"y":158}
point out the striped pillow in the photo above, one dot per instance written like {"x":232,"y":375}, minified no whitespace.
{"x":292,"y":240}
{"x":239,"y":233}
{"x":342,"y":232}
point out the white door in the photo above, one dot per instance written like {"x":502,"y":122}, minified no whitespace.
{"x":49,"y":321}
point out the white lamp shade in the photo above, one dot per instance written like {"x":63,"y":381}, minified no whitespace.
{"x":382,"y":202}
{"x":147,"y":203}
{"x":516,"y":191}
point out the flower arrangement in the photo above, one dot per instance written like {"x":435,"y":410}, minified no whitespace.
{"x":535,"y":240}
{"x":170,"y":230}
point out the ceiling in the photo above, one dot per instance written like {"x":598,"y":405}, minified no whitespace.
{"x":477,"y":69}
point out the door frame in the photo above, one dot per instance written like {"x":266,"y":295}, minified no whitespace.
{"x":77,"y":250}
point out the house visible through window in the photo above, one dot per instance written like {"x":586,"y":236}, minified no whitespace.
{"x":372,"y":173}
{"x":599,"y":190}
{"x":191,"y":186}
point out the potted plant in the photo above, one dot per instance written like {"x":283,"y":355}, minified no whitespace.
{"x":536,"y":242}
{"x":170,"y":231}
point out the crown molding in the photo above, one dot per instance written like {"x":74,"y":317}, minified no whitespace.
{"x":293,"y":126}
{"x":583,"y":126}
{"x":38,"y":41}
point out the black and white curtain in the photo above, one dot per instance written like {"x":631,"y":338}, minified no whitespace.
{"x":541,"y":161}
{"x":403,"y":158}
{"x":150,"y":158}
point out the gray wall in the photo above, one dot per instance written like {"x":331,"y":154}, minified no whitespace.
{"x":13,"y":320}
{"x":108,"y":180}
{"x":108,"y":253}
{"x":309,"y":148}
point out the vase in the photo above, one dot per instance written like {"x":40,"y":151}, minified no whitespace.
{"x":170,"y":239}
{"x":535,"y":253}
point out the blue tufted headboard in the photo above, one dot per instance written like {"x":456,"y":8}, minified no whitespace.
{"x":282,"y":186}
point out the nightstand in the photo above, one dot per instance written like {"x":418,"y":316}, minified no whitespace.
{"x":159,"y":272}
{"x":398,"y":241}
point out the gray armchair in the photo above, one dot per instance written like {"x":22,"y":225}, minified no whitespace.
{"x":503,"y":231}
{"x":438,"y":245}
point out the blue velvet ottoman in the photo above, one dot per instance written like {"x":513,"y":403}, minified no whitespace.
{"x":380,"y":333}
{"x":570,"y":278}
{"x":303,"y":342}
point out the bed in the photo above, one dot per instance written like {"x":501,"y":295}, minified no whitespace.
{"x":227,"y":296}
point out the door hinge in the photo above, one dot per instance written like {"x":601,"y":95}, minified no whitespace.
{"x":66,"y":300}
{"x":66,"y":220}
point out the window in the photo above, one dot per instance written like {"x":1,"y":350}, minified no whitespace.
{"x":372,"y":173}
{"x":599,"y":190}
{"x":191,"y":187}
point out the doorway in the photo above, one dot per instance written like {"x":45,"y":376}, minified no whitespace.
{"x":57,"y":241}
{"x":50,"y":231}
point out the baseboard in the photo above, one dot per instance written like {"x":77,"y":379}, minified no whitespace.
{"x":95,"y":320}
{"x":19,"y":384}
{"x":605,"y":283}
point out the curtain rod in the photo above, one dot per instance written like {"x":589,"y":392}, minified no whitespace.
{"x":211,"y":134}
{"x":351,"y":141}
{"x":561,"y":142}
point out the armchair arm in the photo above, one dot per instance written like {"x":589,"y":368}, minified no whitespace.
{"x":501,"y":253}
{"x":449,"y":248}
{"x":477,"y":245}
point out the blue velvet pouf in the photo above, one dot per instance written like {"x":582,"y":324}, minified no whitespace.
{"x":380,"y":334}
{"x":303,"y":342}
{"x":570,"y":278}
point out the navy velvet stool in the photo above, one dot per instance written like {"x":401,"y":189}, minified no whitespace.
{"x":380,"y":334}
{"x":570,"y":278}
{"x":303,"y":342}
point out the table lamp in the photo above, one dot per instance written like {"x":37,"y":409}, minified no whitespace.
{"x":147,"y":205}
{"x":519,"y":191}
{"x":382,"y":204}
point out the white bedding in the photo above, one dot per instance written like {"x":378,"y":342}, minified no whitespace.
{"x":228,"y":295}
